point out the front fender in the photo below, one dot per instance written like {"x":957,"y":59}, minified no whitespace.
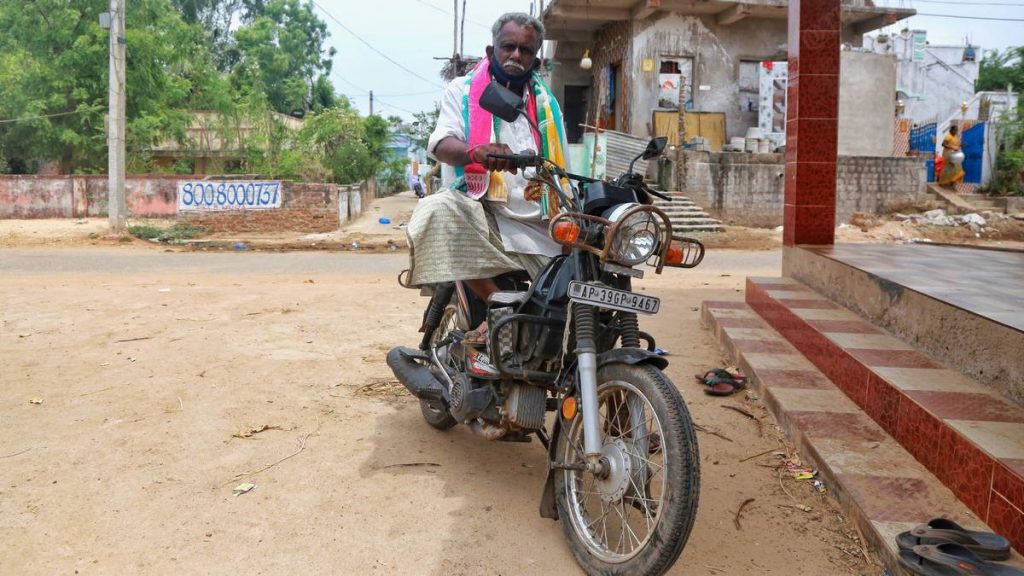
{"x":631,"y":356}
{"x":548,"y":509}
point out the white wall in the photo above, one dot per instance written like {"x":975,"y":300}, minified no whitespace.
{"x":716,"y":51}
{"x":935,"y":87}
{"x":867,"y":103}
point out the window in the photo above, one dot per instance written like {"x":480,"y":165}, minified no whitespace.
{"x":673,"y":73}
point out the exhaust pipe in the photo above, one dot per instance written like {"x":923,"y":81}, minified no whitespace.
{"x":416,"y":376}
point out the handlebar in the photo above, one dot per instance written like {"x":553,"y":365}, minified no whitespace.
{"x":520,"y":161}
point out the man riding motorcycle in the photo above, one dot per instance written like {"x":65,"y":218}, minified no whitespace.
{"x":489,"y":219}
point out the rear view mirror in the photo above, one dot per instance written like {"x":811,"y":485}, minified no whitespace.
{"x":655,"y":147}
{"x":501,"y":102}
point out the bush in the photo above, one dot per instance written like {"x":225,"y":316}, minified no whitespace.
{"x":179,"y":231}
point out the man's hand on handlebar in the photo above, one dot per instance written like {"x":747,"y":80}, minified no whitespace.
{"x":481,"y":155}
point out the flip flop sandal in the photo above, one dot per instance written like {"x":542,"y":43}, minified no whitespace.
{"x":951,"y":559}
{"x":723,"y":386}
{"x":985,"y":545}
{"x":714,"y":373}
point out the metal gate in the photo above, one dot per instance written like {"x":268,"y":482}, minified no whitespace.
{"x":973,"y":145}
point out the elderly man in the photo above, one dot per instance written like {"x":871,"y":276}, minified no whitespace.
{"x":488,"y":220}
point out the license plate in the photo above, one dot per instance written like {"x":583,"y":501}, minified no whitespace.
{"x":612,"y":298}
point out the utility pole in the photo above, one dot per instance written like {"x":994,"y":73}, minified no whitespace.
{"x":455,"y":29}
{"x":371,"y":102}
{"x":116,"y":206}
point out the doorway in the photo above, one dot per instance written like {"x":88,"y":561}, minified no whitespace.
{"x":574,"y":111}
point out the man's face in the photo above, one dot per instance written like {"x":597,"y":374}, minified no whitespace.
{"x":517,"y":48}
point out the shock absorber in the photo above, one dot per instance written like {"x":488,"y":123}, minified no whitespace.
{"x":629,"y":329}
{"x":435,"y":311}
{"x":586,"y":362}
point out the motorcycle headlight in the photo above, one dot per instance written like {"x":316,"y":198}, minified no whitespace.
{"x":636,"y":238}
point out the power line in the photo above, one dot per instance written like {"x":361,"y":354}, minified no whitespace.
{"x":966,"y":3}
{"x":25,"y":118}
{"x":970,"y":17}
{"x":371,"y":47}
{"x":409,"y":94}
{"x":449,"y":13}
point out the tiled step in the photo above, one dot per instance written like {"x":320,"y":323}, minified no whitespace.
{"x":967,"y":435}
{"x":879,"y":484}
{"x":961,"y":305}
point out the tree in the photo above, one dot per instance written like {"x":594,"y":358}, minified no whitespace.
{"x":282,"y":49}
{"x":998,"y":71}
{"x":423,"y":126}
{"x":54,"y":62}
{"x":1001,"y":71}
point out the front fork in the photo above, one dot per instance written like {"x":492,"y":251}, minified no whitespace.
{"x":586,"y":363}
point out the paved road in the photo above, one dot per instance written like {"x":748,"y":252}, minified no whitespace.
{"x":385,"y":264}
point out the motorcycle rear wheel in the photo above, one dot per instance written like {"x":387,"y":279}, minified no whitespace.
{"x":435,"y":413}
{"x":637,"y":519}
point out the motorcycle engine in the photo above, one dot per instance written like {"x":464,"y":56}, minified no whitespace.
{"x":524,"y":405}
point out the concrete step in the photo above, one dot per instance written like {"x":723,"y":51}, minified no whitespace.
{"x":884,"y":486}
{"x":684,"y":227}
{"x":966,"y":434}
{"x":687,"y":216}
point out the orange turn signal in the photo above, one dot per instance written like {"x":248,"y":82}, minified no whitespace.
{"x":569,"y":407}
{"x":566,"y":231}
{"x":675,"y":254}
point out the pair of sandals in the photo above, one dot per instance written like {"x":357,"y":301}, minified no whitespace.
{"x":942,"y":547}
{"x":720,"y":382}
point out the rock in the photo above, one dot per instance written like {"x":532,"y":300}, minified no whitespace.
{"x":973,"y":218}
{"x":862,"y":220}
{"x":935,"y":214}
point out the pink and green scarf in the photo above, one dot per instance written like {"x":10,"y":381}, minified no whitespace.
{"x":483,"y":128}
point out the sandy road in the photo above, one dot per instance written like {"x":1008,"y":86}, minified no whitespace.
{"x":147,"y":364}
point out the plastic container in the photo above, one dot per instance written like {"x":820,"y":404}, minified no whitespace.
{"x":384,"y":220}
{"x":929,"y":168}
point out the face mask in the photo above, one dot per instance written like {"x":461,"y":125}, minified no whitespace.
{"x":515,"y":81}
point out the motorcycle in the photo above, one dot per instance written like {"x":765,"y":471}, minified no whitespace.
{"x":623,"y":463}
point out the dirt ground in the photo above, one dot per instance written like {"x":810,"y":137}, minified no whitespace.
{"x":368,"y":233}
{"x":140,"y":388}
{"x":142,"y":383}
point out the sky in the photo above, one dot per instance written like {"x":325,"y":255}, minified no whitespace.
{"x":389,"y":46}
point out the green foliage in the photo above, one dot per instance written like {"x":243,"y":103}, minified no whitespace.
{"x":179,"y":231}
{"x":1000,"y":71}
{"x":1009,"y":170}
{"x":201,"y":75}
{"x":281,"y":49}
{"x":423,"y":125}
{"x":391,"y":177}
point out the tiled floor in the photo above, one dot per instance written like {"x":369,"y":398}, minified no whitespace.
{"x":964,"y":433}
{"x":886,"y":489}
{"x":989,"y":283}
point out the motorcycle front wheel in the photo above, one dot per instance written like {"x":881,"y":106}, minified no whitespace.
{"x":636,"y":517}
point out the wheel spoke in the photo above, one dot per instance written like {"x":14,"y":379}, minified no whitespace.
{"x":635,"y":485}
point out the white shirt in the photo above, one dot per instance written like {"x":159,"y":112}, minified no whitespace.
{"x":519,"y":220}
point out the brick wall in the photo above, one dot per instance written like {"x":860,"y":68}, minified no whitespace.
{"x":748,"y":189}
{"x":304,"y":207}
{"x":612,"y":45}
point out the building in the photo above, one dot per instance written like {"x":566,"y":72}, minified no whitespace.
{"x":723,"y":62}
{"x":932,"y":82}
{"x":213,"y":144}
